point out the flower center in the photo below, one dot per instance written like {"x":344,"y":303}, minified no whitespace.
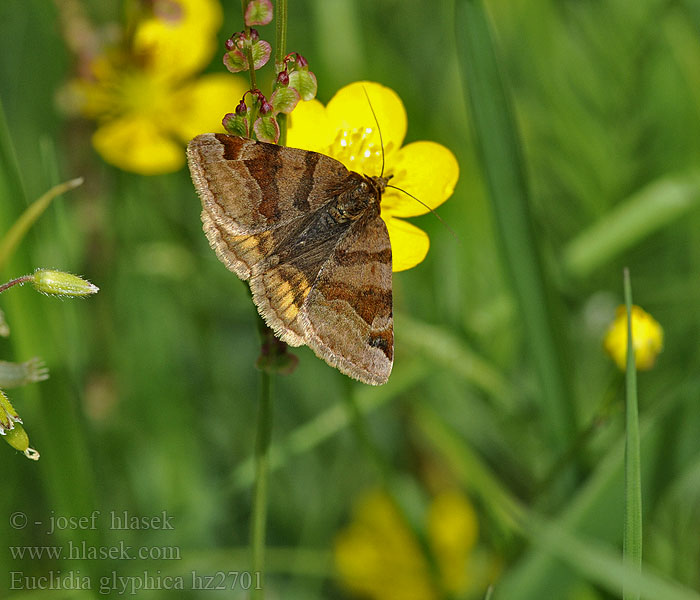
{"x":359,"y":149}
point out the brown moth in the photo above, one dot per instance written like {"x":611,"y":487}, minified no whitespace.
{"x":306,"y":233}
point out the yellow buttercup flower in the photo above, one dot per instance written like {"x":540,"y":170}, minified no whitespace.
{"x":647,"y":337}
{"x":146,"y":98}
{"x":378,"y":557}
{"x":346,"y":130}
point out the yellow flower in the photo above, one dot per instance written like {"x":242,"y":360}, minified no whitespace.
{"x":145,"y":98}
{"x":346,"y":130}
{"x":378,"y":557}
{"x":647,"y":337}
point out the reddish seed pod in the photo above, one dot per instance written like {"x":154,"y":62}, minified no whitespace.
{"x":283,"y":78}
{"x":242,"y":108}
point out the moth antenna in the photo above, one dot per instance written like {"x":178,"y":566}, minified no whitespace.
{"x":437,"y":216}
{"x":379,"y":129}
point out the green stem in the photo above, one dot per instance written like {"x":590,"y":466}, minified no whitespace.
{"x":281,"y":31}
{"x":249,"y":50}
{"x":632,"y":540}
{"x":280,"y":53}
{"x":259,"y":516}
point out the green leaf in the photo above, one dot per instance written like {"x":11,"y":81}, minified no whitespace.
{"x":284,"y":99}
{"x":236,"y":124}
{"x":266,"y":129}
{"x":305,"y":83}
{"x":258,"y":12}
{"x":261,"y":54}
{"x":235,"y":61}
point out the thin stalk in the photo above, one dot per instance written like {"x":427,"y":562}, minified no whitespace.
{"x":632,"y":539}
{"x":17,"y":281}
{"x":280,"y":53}
{"x":259,"y":516}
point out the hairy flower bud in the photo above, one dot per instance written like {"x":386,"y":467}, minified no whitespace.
{"x":8,"y":414}
{"x":59,"y":283}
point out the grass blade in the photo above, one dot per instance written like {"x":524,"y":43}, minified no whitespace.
{"x":632,"y":539}
{"x":645,"y":212}
{"x":13,"y":237}
{"x":498,"y":142}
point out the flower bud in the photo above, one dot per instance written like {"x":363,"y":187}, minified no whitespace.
{"x":19,"y":440}
{"x":647,"y":338}
{"x":59,"y":283}
{"x":242,"y":108}
{"x":302,"y":63}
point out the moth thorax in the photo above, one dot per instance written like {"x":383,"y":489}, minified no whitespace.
{"x":360,"y":200}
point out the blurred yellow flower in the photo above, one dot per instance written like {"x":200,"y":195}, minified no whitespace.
{"x":378,"y":557}
{"x":145,"y":96}
{"x":346,"y":130}
{"x":647,"y":337}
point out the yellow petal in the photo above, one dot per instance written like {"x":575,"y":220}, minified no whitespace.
{"x":198,"y":107}
{"x":377,"y":556}
{"x":428,"y":171}
{"x":136,"y":144}
{"x":350,"y":109}
{"x":179,"y":40}
{"x":308,"y":128}
{"x":452,"y":531}
{"x":409,"y":245}
{"x":355,"y":138}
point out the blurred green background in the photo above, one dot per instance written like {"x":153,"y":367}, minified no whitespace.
{"x":151,"y":403}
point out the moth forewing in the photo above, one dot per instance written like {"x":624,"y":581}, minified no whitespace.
{"x":307,"y":235}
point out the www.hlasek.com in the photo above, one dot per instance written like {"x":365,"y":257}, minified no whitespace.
{"x":133,"y":584}
{"x":85,"y":551}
